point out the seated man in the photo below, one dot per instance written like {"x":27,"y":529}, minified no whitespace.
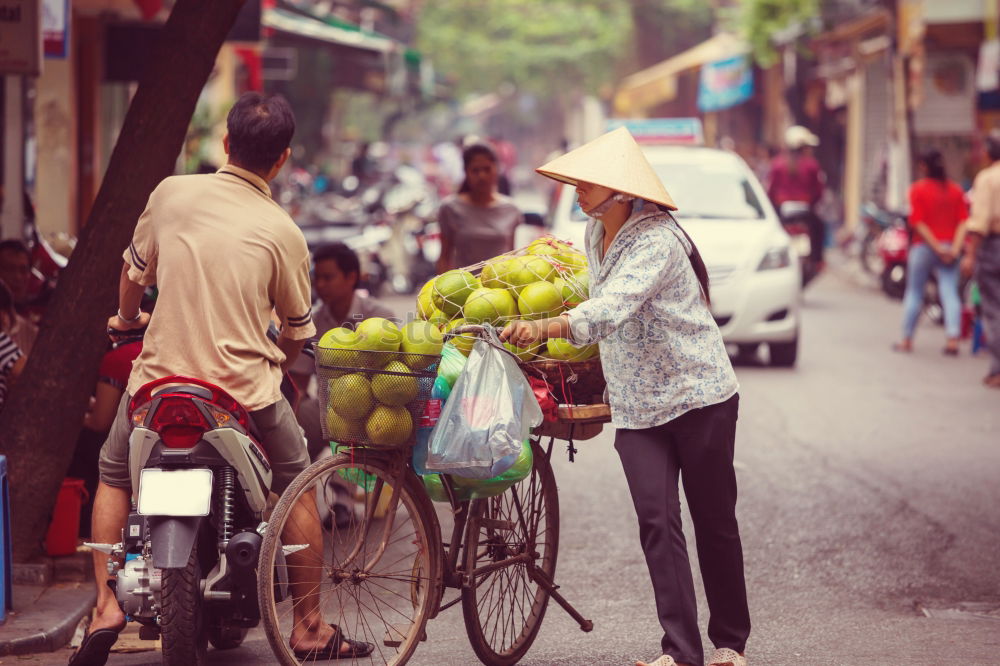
{"x":336,"y":272}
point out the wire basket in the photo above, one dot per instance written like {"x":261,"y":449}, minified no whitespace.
{"x":373,"y":398}
{"x":570,"y":382}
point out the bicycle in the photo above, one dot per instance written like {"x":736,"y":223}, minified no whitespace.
{"x":384,"y":577}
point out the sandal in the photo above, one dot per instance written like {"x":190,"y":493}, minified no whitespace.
{"x":357,"y":649}
{"x":727,"y":657}
{"x":95,"y":647}
{"x":902,"y":348}
{"x":664,"y":660}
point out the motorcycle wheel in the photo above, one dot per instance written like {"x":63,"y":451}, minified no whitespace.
{"x":182,"y":623}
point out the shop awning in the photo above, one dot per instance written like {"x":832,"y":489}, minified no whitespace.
{"x":311,"y":28}
{"x":658,"y":84}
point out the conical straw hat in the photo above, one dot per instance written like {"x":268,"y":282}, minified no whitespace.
{"x":613,"y":160}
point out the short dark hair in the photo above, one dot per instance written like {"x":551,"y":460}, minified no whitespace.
{"x":993,"y":147}
{"x":347,"y":260}
{"x":472,"y":152}
{"x":15,"y":245}
{"x":933,"y":161}
{"x":260,"y":129}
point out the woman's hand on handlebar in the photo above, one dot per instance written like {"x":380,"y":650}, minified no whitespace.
{"x":522,"y":333}
{"x":118,"y":326}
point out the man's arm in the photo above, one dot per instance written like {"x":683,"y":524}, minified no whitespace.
{"x":128,"y":317}
{"x":291,"y":349}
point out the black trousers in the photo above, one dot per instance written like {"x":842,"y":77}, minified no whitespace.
{"x":698,"y":447}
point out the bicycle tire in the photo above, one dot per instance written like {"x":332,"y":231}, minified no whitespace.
{"x":483,"y":605}
{"x":367,"y":601}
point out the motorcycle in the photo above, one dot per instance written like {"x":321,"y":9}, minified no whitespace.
{"x":795,"y":218}
{"x":192,"y":541}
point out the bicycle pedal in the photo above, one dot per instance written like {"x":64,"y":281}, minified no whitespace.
{"x":394,"y":637}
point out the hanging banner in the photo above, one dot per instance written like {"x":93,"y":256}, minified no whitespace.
{"x":20,"y":38}
{"x":55,"y":28}
{"x":725,"y":83}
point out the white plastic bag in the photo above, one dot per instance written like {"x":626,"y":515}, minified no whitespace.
{"x":490,"y":411}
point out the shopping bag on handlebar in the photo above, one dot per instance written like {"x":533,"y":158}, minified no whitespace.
{"x":490,"y":412}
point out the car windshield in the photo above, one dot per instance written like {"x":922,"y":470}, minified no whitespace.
{"x":707,"y":191}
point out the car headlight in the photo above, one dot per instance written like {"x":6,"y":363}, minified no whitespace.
{"x":776,"y":257}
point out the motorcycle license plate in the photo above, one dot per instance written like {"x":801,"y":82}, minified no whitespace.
{"x":175,"y":492}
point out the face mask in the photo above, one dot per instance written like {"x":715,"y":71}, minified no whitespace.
{"x":600,"y":210}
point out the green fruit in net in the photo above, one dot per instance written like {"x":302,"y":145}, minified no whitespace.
{"x":539,"y":300}
{"x":451,"y":289}
{"x":379,"y":334}
{"x":463,"y":342}
{"x":393,"y":389}
{"x":340,"y":428}
{"x":524,"y":354}
{"x":571,"y":260}
{"x":489,"y":306}
{"x":574,"y":291}
{"x":350,"y":396}
{"x":423,"y":338}
{"x":425,"y":302}
{"x":528,"y":269}
{"x":438,"y":318}
{"x":389,"y":426}
{"x":548,"y":245}
{"x":494,"y":274}
{"x":562,"y":349}
{"x":335,"y":347}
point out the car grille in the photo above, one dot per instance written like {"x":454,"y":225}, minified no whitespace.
{"x":720,"y":274}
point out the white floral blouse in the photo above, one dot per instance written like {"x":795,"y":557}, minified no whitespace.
{"x":661,"y":349}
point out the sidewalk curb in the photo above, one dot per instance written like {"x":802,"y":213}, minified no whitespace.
{"x":52,"y":639}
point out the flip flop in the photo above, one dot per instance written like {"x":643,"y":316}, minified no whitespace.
{"x":357,"y":649}
{"x":95,"y":648}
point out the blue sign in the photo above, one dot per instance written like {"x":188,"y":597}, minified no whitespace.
{"x":661,"y":130}
{"x":725,"y":83}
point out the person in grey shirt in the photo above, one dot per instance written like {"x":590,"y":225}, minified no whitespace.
{"x":478,"y":222}
{"x":336,"y":271}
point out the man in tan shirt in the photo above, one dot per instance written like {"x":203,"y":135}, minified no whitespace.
{"x":223,"y":255}
{"x":983,"y":253}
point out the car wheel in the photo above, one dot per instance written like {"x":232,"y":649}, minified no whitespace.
{"x":784,"y":354}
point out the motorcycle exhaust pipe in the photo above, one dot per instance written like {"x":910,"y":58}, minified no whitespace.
{"x":242,"y":555}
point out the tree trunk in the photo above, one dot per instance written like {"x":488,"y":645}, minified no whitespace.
{"x":45,"y":410}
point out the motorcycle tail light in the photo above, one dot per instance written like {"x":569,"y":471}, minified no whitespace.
{"x":222,"y":417}
{"x":179,"y":422}
{"x":139,"y":416}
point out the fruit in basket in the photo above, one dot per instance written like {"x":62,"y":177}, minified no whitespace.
{"x":524,"y":354}
{"x":451,"y":289}
{"x":395,"y":389}
{"x":539,"y":300}
{"x":562,"y":349}
{"x":378,"y":334}
{"x":421,"y":337}
{"x":331,"y":345}
{"x":350,"y":396}
{"x":425,"y":302}
{"x":494,"y":273}
{"x":527,"y":270}
{"x":463,"y":342}
{"x":389,"y":426}
{"x":340,"y":428}
{"x":489,"y":306}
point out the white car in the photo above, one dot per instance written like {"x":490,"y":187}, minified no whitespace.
{"x":755,"y":277}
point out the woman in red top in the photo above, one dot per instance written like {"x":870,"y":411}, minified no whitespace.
{"x":937,"y":213}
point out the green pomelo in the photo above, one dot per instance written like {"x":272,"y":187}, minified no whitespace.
{"x":451,"y":289}
{"x":421,"y":337}
{"x":351,"y":395}
{"x":572,"y":260}
{"x":548,"y":245}
{"x":379,"y":334}
{"x":526,"y":270}
{"x":573,"y":291}
{"x":330,"y":347}
{"x":389,"y":426}
{"x":539,"y":300}
{"x":339,"y":428}
{"x":524,"y":354}
{"x":425,"y":302}
{"x":463,"y":342}
{"x":562,"y":349}
{"x":494,"y":274}
{"x":489,"y":306}
{"x":395,"y":390}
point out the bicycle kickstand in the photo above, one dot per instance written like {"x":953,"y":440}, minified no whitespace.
{"x":542,"y":579}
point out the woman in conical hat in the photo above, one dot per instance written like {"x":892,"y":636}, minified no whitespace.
{"x":671,"y":386}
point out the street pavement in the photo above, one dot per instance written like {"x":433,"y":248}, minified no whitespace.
{"x":869,"y":498}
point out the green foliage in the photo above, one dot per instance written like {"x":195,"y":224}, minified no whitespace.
{"x":761,"y":19}
{"x":546,"y":48}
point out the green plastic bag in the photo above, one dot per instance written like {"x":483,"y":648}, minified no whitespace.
{"x":470,"y":489}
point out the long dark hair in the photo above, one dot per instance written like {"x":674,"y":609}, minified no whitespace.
{"x":472,"y":152}
{"x":933,"y":161}
{"x":697,"y":263}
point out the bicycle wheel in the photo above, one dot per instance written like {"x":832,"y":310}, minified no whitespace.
{"x":378,"y":579}
{"x":504,"y":604}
